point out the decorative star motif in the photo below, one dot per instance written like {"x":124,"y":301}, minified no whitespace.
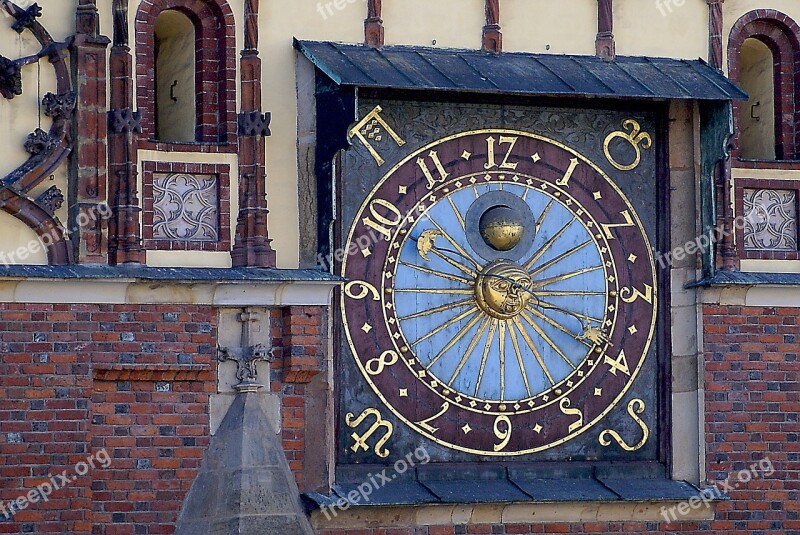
{"x":546,"y":397}
{"x":487,"y":407}
{"x":580,"y":373}
{"x":569,"y":384}
{"x":421,"y":374}
{"x":403,"y":392}
{"x":458,"y":399}
{"x":466,"y":428}
{"x":632,"y":329}
{"x":531,"y":403}
{"x":366,"y":252}
{"x":402,"y":190}
{"x":632,"y":258}
{"x":597,"y":195}
{"x":590,"y":362}
{"x":466,"y":155}
{"x":473,"y":180}
{"x":536,"y":158}
{"x":472,"y":404}
{"x":391,"y":321}
{"x":515,"y":178}
{"x":517,"y":406}
{"x":459,"y":184}
{"x":366,"y":328}
{"x":396,"y":336}
{"x":537,"y":428}
{"x":598,"y":392}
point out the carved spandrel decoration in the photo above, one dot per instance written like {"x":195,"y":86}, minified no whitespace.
{"x":185,"y":207}
{"x":770,"y":219}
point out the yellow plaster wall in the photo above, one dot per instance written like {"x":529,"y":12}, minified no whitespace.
{"x":440,"y":23}
{"x":18,"y":243}
{"x":544,"y":27}
{"x":277,"y":26}
{"x":661,"y":28}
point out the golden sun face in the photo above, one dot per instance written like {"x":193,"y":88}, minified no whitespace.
{"x":503,"y":289}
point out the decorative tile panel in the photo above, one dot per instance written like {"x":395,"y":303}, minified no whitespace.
{"x":770,"y":219}
{"x":185,"y":207}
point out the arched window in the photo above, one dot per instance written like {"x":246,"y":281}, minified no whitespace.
{"x":175,"y":71}
{"x":757,"y":119}
{"x":175,"y":40}
{"x":763,"y":55}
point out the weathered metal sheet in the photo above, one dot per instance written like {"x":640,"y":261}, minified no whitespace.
{"x":420,"y":68}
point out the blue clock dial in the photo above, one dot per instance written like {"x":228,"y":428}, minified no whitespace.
{"x":536,"y":331}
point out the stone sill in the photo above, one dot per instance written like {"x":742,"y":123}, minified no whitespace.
{"x":386,"y":517}
{"x":233,"y":287}
{"x":742,"y":278}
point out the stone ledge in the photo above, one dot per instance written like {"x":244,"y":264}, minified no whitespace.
{"x":371,"y":517}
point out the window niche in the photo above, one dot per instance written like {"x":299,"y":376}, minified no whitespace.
{"x":764,"y":54}
{"x":186,"y":73}
{"x":175,"y":74}
{"x":757,"y":118}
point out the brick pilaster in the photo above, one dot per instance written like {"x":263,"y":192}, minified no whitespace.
{"x":492,"y":36}
{"x":252,"y":246}
{"x":89,"y":135}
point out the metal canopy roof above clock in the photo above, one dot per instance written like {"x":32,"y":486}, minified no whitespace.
{"x":438,"y":69}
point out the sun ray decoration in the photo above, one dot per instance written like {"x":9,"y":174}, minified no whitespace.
{"x":539,"y":324}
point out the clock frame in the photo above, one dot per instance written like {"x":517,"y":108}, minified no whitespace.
{"x":396,"y":380}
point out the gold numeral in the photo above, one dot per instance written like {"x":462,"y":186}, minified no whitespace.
{"x":491,"y":162}
{"x":620,"y":363}
{"x":378,"y":364}
{"x":608,"y":226}
{"x":573,"y":164}
{"x":366,"y":288}
{"x":503,"y":435}
{"x":383,"y":222}
{"x":564,"y":406}
{"x":360,"y":441}
{"x":425,"y":424}
{"x":437,"y":163}
{"x":629,"y":295}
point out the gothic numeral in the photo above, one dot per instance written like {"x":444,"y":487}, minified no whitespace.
{"x":608,"y":226}
{"x":564,"y":405}
{"x":573,"y":164}
{"x":491,"y":163}
{"x":504,"y":435}
{"x":618,"y":364}
{"x":380,"y":222}
{"x":437,"y":163}
{"x":426,"y":423}
{"x":629,"y":295}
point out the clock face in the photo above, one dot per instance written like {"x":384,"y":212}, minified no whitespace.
{"x":502,"y":299}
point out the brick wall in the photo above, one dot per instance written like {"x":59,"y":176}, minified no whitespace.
{"x":129,"y":380}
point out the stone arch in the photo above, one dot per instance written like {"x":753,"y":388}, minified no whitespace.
{"x":781,"y":35}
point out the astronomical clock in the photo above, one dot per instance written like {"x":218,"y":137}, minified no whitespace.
{"x":501,"y":296}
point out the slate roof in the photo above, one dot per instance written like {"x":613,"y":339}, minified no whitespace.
{"x":441,"y":69}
